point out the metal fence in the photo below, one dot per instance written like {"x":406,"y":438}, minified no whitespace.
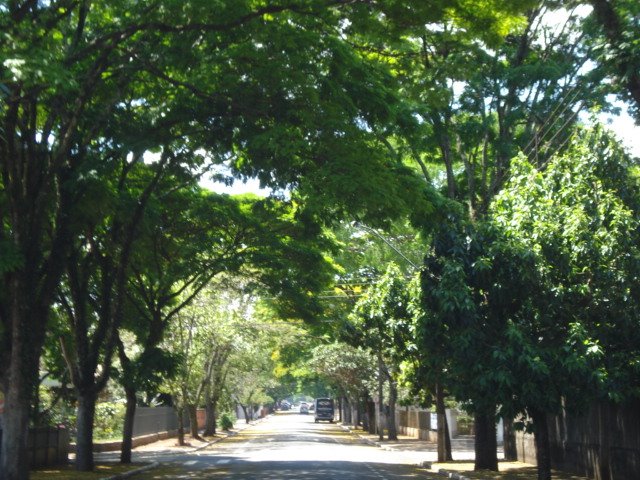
{"x":150,"y":420}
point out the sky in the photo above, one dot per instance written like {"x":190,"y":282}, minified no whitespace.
{"x":625,"y":129}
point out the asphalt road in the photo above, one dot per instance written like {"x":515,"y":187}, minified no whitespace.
{"x":289,"y":446}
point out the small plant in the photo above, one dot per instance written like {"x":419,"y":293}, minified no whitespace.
{"x":226,"y":421}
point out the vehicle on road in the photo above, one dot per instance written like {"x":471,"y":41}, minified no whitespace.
{"x":323,"y":408}
{"x":304,"y":407}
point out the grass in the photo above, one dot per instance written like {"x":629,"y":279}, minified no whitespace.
{"x":69,"y":472}
{"x":508,"y":471}
{"x":167,"y":472}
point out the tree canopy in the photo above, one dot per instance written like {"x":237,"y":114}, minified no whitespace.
{"x":444,"y":136}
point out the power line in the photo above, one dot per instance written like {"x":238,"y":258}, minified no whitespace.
{"x":565,"y":103}
{"x":371,"y":230}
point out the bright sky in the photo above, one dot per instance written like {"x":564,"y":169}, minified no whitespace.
{"x":625,"y":129}
{"x":238,"y":187}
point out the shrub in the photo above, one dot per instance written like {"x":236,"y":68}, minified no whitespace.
{"x":109,"y":420}
{"x":226,"y":421}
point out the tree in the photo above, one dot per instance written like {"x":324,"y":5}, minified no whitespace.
{"x":484,"y":103}
{"x":93,"y":293}
{"x":67,"y":72}
{"x":350,"y":370}
{"x":437,"y":301}
{"x":182,"y":247}
{"x":472,"y":284}
{"x":382,"y":319}
{"x":616,"y":43}
{"x":566,"y":346}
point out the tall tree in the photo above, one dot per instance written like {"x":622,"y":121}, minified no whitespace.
{"x":616,"y":42}
{"x":67,"y":68}
{"x":574,"y":339}
{"x":187,"y":237}
{"x":484,"y":103}
{"x":382,"y":319}
{"x":93,"y":293}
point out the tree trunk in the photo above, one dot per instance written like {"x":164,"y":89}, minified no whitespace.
{"x":19,"y":367}
{"x":127,"y":429}
{"x":365,"y":416}
{"x":34,"y":414}
{"x":210,"y":414}
{"x":355,"y":414}
{"x":340,"y":409}
{"x":443,"y":454}
{"x":380,"y":399}
{"x":14,"y":456}
{"x":485,"y":442}
{"x":193,"y":421}
{"x":371,"y":414}
{"x":346,"y":408}
{"x":245,"y":410}
{"x":391,"y":419}
{"x":509,"y":435}
{"x":442,"y":127}
{"x":180,"y":413}
{"x":84,"y":431}
{"x":543,"y":447}
{"x":447,"y":439}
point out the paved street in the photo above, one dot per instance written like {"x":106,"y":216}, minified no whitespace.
{"x":288,"y":446}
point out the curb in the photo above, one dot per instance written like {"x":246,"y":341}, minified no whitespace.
{"x":453,"y":475}
{"x":133,"y":472}
{"x":366,"y":440}
{"x":373,"y":443}
{"x":230,"y":433}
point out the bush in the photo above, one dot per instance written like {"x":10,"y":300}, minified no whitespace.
{"x":109,"y":420}
{"x":226,"y":421}
{"x":465,"y":424}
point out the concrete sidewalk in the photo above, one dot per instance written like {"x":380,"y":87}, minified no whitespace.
{"x":420,"y":452}
{"x":167,"y":448}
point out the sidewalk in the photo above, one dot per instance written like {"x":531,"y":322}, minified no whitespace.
{"x":420,"y":452}
{"x":425,"y":454}
{"x":161,"y":450}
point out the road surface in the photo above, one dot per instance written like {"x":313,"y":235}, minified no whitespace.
{"x":289,"y":446}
